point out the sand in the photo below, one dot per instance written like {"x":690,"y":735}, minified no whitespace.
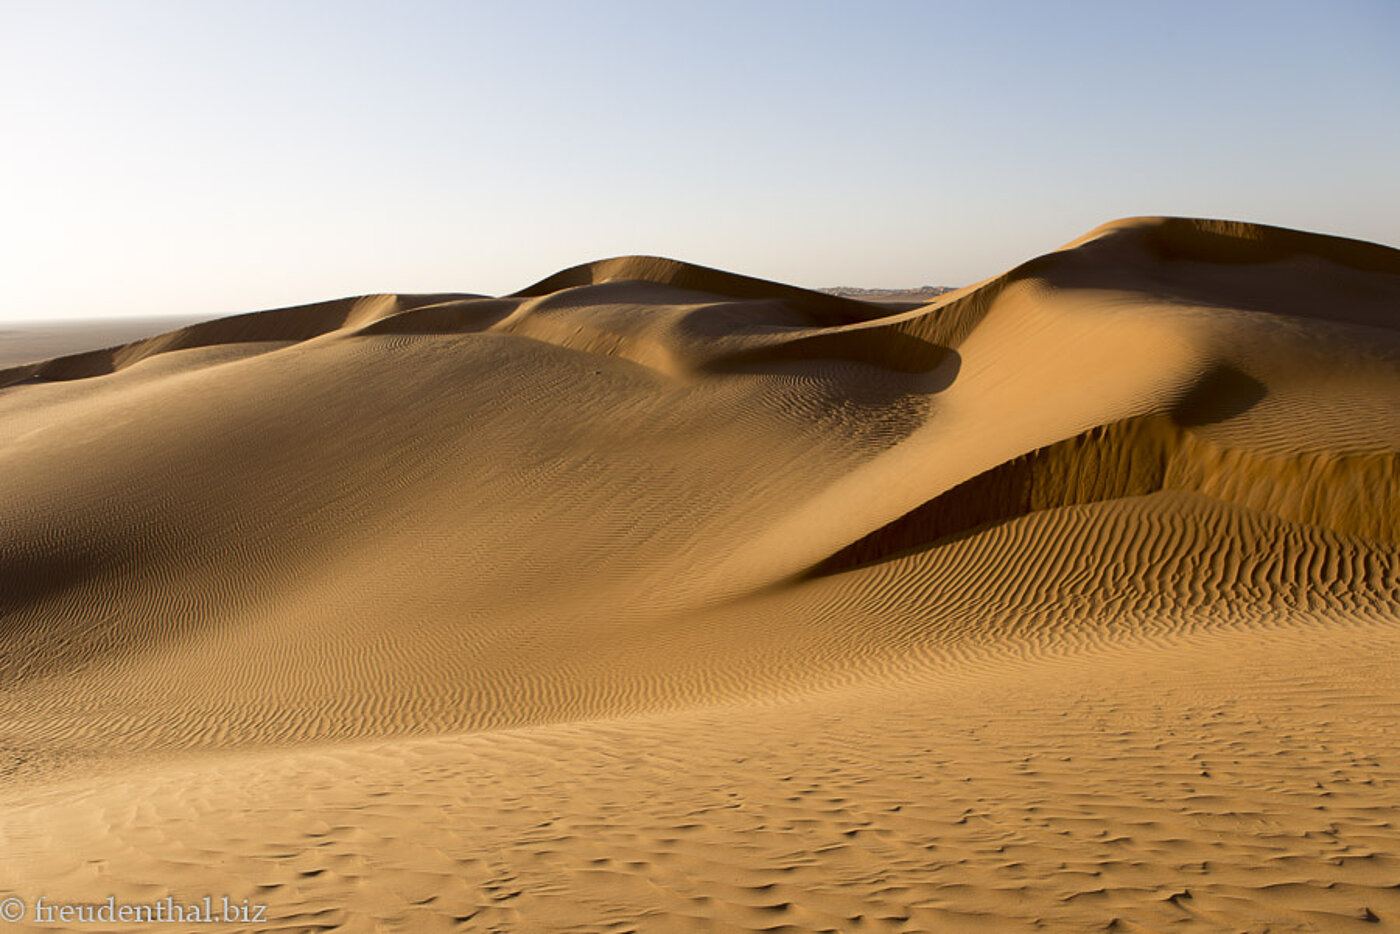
{"x":656,"y":598}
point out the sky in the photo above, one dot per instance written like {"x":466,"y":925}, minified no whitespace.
{"x":206,"y":158}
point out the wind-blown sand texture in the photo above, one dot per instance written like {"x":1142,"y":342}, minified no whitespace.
{"x":655,"y":598}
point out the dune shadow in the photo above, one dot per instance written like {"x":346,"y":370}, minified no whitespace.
{"x":457,"y":317}
{"x":880,"y":348}
{"x":1223,"y":393}
{"x":31,"y":580}
{"x":1112,"y":461}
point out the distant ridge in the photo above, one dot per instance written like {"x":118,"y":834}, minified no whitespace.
{"x":924,"y":293}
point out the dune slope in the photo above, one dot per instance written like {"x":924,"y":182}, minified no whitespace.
{"x":653,"y":597}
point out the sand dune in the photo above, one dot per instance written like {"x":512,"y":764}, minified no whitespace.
{"x":653,"y":597}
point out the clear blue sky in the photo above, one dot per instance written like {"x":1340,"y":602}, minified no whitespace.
{"x":209,"y":157}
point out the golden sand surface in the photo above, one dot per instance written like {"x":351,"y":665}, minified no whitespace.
{"x":656,"y":598}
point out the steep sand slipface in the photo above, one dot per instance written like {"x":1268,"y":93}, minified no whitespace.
{"x":653,"y":597}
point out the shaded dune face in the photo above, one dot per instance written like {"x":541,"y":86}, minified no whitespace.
{"x":1347,"y":493}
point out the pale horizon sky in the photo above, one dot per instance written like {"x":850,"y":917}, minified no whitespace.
{"x":208,"y":158}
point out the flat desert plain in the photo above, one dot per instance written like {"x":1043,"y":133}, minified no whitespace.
{"x":656,"y":598}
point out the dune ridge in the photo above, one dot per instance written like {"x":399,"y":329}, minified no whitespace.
{"x":1141,"y":457}
{"x":656,"y":597}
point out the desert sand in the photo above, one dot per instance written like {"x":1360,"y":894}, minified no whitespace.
{"x":656,"y":598}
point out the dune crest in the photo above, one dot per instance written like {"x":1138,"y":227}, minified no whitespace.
{"x":706,"y":602}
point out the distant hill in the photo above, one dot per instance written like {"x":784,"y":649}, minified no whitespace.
{"x":923,"y":293}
